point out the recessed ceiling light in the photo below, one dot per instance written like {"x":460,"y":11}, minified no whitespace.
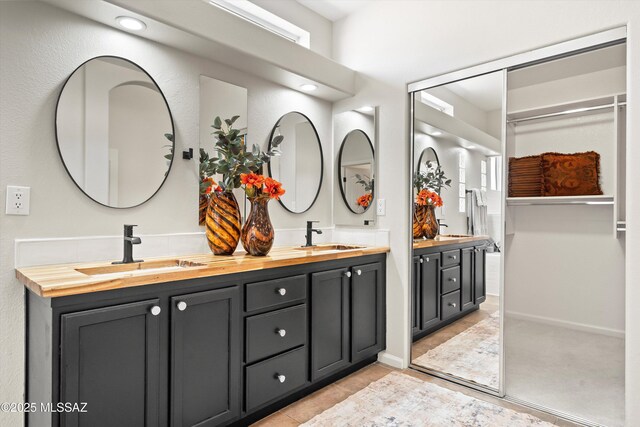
{"x":436,"y":133}
{"x":308,"y":87}
{"x":366,"y":109}
{"x":130,"y":23}
{"x":471,"y":147}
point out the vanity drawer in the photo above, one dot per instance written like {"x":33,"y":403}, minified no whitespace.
{"x":450,"y":279}
{"x":450,"y":305}
{"x":450,"y":258}
{"x":274,"y":293}
{"x":274,"y":332}
{"x":263,"y":383}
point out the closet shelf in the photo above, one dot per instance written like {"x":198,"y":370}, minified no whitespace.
{"x":561,"y":200}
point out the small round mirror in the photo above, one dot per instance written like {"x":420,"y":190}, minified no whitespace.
{"x":356,"y":170}
{"x":114,"y":132}
{"x":299,"y":166}
{"x":428,"y":161}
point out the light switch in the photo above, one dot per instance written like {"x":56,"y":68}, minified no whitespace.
{"x":17,"y":200}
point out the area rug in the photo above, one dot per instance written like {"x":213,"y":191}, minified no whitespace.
{"x":473,"y":354}
{"x":400,"y":400}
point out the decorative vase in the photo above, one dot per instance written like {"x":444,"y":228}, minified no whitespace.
{"x":419,"y":216}
{"x":202,"y":208}
{"x":223,"y":223}
{"x":430,"y":225}
{"x":257,"y":232}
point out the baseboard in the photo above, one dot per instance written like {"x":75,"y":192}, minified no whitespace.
{"x":566,"y":324}
{"x":390,"y":360}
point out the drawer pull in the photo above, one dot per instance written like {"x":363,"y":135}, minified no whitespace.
{"x":281,"y":332}
{"x":453,"y":256}
{"x":155,"y":310}
{"x":421,"y":261}
{"x":359,"y":272}
{"x":453,"y":304}
{"x":281,"y":378}
{"x":453,"y":279}
{"x":348,"y":274}
{"x":281,"y":291}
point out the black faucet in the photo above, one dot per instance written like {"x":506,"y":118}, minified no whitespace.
{"x":129,"y":241}
{"x":440,"y":225}
{"x":310,"y":231}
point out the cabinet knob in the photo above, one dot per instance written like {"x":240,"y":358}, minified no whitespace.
{"x":427,"y":259}
{"x":359,"y":272}
{"x":281,"y":378}
{"x":421,"y":261}
{"x":182,"y":306}
{"x":281,"y":291}
{"x":348,"y":274}
{"x":454,"y":257}
{"x":155,"y":310}
{"x":281,"y":332}
{"x":453,"y":304}
{"x":453,"y":279}
{"x":477,"y":250}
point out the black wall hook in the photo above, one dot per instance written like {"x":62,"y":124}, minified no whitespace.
{"x":187,"y":155}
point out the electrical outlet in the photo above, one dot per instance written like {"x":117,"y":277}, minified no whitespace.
{"x":381,"y":208}
{"x":17,"y":200}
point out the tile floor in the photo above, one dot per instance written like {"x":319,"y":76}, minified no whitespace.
{"x":303,"y":410}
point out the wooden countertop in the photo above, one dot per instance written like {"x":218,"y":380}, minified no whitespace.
{"x":72,"y":279}
{"x":443,"y":240}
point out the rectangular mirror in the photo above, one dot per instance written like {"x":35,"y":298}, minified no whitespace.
{"x":224,"y":100}
{"x":354,"y":194}
{"x":457,"y":230}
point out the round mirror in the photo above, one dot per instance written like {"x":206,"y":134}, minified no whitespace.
{"x":355,"y":171}
{"x":428,"y":161}
{"x":115,"y":132}
{"x":299,"y":167}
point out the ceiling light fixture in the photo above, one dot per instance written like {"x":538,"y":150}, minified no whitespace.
{"x":308,"y":87}
{"x":471,"y":147}
{"x":436,"y":133}
{"x":366,"y":109}
{"x":130,"y":23}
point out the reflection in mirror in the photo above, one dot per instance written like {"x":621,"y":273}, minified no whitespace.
{"x":355,"y":171}
{"x":299,"y":167}
{"x":114,"y":132}
{"x":354,"y":189}
{"x":455,"y":293}
{"x":224,"y":100}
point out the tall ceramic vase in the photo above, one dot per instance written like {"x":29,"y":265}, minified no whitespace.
{"x":419,"y":216}
{"x":430,"y":226}
{"x":257,"y":232}
{"x":223,"y":223}
{"x":203,"y":205}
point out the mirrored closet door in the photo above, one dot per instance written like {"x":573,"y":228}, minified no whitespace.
{"x":457,"y":232}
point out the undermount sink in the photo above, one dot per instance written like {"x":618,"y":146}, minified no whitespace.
{"x":455,"y":236}
{"x":330,"y":248}
{"x":139,"y":268}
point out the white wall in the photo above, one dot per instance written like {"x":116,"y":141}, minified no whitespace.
{"x":460,"y":35}
{"x":39,"y":47}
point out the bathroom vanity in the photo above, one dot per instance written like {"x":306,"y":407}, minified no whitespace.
{"x":199,"y":340}
{"x":449,"y":281}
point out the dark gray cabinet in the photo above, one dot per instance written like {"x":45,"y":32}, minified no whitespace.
{"x":206,"y":353}
{"x":329,"y":322}
{"x":448,"y":282}
{"x":367,"y":311}
{"x":110,"y":360}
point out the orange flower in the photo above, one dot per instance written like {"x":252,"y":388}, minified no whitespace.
{"x":209,"y":183}
{"x":252,"y":180}
{"x":364,"y":200}
{"x":426,"y":197}
{"x":273,"y":188}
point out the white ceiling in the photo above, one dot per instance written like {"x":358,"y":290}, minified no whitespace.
{"x":333,"y":10}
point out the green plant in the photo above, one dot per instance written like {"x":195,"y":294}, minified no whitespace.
{"x":433,"y":179}
{"x":365,"y":181}
{"x":231,"y":158}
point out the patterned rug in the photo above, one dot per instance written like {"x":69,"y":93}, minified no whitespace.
{"x":400,"y":400}
{"x":473,"y":355}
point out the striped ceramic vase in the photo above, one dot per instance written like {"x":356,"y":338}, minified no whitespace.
{"x":223,"y":223}
{"x":203,"y":205}
{"x":419,"y":217}
{"x":257,"y":232}
{"x":430,"y":226}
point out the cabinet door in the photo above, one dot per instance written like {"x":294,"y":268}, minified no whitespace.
{"x":480,"y":258}
{"x":430,"y":290}
{"x":466,"y":277}
{"x":205,"y":369}
{"x":367,"y":311}
{"x":329,"y":322}
{"x":110,"y":360}
{"x":415,"y":295}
